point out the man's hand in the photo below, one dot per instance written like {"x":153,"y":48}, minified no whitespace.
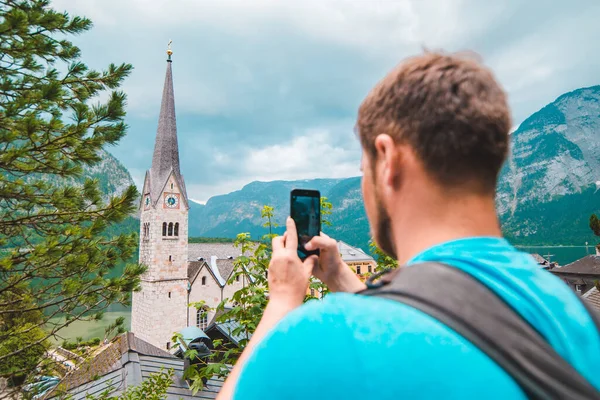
{"x":288,"y":275}
{"x":331,"y":269}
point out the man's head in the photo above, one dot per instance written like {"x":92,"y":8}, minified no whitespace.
{"x":437,"y":125}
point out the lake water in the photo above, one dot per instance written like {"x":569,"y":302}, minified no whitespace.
{"x":563,"y":255}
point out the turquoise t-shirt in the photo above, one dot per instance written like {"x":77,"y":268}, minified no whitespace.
{"x":357,"y":347}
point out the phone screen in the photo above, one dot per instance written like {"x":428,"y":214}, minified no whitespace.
{"x":305,"y":210}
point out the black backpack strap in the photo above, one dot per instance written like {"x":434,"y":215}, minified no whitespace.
{"x":467,"y":306}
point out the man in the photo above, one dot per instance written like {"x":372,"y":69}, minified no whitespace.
{"x":434,"y":134}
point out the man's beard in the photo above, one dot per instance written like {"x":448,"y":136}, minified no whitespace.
{"x":383,"y":230}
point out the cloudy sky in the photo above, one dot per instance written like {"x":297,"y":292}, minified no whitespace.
{"x":269,"y":89}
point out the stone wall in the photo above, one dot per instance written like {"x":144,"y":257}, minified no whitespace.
{"x":159,"y":311}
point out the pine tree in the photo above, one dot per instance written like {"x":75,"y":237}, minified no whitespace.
{"x":56,"y":258}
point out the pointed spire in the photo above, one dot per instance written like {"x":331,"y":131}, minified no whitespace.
{"x":166,"y":149}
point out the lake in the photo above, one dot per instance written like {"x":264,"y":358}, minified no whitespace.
{"x":563,"y":255}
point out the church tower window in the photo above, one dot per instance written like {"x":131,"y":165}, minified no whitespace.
{"x":170,"y":229}
{"x":176,"y":232}
{"x":202,"y":319}
{"x":164,"y":229}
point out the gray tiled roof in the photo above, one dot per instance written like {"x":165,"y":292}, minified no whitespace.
{"x":134,"y":359}
{"x":193,"y":268}
{"x":109,"y":359}
{"x":588,"y":265}
{"x":225,"y":267}
{"x":593,"y":298}
{"x":166,"y":151}
{"x":207,"y":250}
{"x":353,"y":254}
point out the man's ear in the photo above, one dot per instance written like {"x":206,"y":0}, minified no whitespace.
{"x":386,"y":161}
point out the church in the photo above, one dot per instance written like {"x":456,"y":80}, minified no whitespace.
{"x":180,"y":273}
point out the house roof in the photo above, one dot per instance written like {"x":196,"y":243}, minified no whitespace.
{"x":193,"y":269}
{"x":225,"y":267}
{"x":593,"y":298}
{"x":352,"y":254}
{"x":227,"y":329}
{"x":127,"y":361}
{"x":588,"y":265}
{"x":108,"y":359}
{"x":207,"y":250}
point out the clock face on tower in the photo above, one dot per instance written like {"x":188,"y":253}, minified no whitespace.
{"x":172,"y":200}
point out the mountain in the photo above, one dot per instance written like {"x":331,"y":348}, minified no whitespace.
{"x":546,"y":190}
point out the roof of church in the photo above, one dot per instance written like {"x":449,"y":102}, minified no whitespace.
{"x":225,"y":267}
{"x":207,"y":250}
{"x":166,"y":150}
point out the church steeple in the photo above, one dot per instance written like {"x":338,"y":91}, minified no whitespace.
{"x":166,"y":150}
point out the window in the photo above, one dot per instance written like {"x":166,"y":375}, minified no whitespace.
{"x":176,"y":233}
{"x":170,"y":259}
{"x":170,"y":229}
{"x":171,"y":185}
{"x":237,"y":278}
{"x":369,"y":269}
{"x":169,"y":294}
{"x":312,"y":292}
{"x":203,"y":281}
{"x":202,"y":319}
{"x":164,"y":229}
{"x":168,"y":345}
{"x":358,"y":269}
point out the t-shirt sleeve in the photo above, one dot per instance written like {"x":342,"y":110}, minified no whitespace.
{"x":290,"y":362}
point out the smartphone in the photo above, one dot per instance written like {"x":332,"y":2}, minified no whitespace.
{"x":305,"y":210}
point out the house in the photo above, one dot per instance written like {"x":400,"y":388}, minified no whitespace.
{"x":582,"y":274}
{"x":125,"y":362}
{"x":593,"y":298}
{"x":362,"y":263}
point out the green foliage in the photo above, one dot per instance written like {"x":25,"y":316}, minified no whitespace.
{"x":384,"y":261}
{"x":114,"y":329}
{"x":595,"y":224}
{"x":326,"y":210}
{"x":79,"y":343}
{"x":59,"y":255}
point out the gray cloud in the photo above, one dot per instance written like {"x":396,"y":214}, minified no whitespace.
{"x":257,"y":80}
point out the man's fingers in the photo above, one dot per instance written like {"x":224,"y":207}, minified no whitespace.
{"x":277,"y":243}
{"x":310,"y":264}
{"x":321,"y":242}
{"x":291,"y":237}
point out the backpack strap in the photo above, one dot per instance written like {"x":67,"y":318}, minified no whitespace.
{"x":467,"y":306}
